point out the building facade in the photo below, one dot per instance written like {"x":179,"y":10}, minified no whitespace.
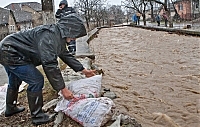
{"x":188,"y":9}
{"x":7,"y":23}
{"x":32,"y":7}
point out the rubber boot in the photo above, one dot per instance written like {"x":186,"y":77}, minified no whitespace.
{"x":35,"y":101}
{"x":11,"y":101}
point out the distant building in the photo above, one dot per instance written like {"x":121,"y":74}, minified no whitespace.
{"x":19,"y":16}
{"x":32,"y":7}
{"x":7,"y":23}
{"x":188,"y":9}
{"x":23,"y":20}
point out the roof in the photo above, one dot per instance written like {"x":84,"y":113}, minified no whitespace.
{"x":17,"y":6}
{"x":4,"y":16}
{"x":22,"y":16}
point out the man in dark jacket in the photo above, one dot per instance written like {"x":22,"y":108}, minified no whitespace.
{"x":63,"y":11}
{"x":21,"y":52}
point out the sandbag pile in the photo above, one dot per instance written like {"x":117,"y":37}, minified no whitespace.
{"x":87,"y":108}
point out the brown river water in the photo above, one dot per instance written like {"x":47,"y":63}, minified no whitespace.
{"x":154,"y":74}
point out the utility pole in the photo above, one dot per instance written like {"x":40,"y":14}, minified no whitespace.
{"x":170,"y":18}
{"x":48,"y":10}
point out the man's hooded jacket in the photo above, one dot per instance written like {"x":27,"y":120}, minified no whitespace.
{"x":42,"y":46}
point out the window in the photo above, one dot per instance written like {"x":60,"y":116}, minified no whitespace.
{"x":180,"y":6}
{"x":197,"y":5}
{"x":12,"y":28}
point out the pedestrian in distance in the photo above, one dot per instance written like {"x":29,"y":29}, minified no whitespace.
{"x":22,"y":52}
{"x":158,"y":19}
{"x":64,"y":10}
{"x":135,"y":19}
{"x":138,"y":18}
{"x":165,"y":17}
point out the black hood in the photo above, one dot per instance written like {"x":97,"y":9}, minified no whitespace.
{"x":63,"y":2}
{"x":71,"y":26}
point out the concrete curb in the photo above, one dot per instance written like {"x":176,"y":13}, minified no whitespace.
{"x":166,"y":29}
{"x":82,"y":45}
{"x":171,"y":30}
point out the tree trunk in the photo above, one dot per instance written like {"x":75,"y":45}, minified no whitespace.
{"x":152,"y":14}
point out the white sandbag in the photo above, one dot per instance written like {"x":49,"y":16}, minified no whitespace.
{"x":91,"y":112}
{"x":3,"y":90}
{"x":88,"y":87}
{"x":83,"y":88}
{"x":86,"y":108}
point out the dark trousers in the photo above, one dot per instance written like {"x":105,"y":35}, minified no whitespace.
{"x":138,"y":20}
{"x":166,"y":21}
{"x":27,"y":73}
{"x":158,"y":23}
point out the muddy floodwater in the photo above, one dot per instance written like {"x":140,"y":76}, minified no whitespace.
{"x":154,"y":74}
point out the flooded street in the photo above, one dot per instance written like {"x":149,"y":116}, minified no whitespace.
{"x":154,"y":74}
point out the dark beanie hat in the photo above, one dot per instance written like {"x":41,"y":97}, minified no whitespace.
{"x":63,"y":2}
{"x":71,"y":26}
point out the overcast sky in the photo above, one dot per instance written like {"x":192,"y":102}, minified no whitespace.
{"x":4,"y":3}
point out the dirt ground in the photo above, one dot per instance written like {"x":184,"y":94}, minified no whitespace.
{"x":154,"y":74}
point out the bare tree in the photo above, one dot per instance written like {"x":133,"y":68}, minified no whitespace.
{"x":90,"y":10}
{"x":166,"y":7}
{"x":176,"y":16}
{"x":98,"y":13}
{"x":104,"y":15}
{"x":85,"y":7}
{"x":116,"y":12}
{"x":138,"y":6}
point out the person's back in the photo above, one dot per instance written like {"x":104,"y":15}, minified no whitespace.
{"x":138,"y":18}
{"x":135,"y":19}
{"x":158,"y":18}
{"x":165,"y":18}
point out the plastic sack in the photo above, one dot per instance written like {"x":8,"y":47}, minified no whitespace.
{"x":85,"y":107}
{"x":86,"y":88}
{"x":3,"y":90}
{"x":82,"y":88}
{"x":90,"y":112}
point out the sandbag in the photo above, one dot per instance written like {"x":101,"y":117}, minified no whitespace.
{"x":87,"y":88}
{"x":87,"y":108}
{"x":90,"y":112}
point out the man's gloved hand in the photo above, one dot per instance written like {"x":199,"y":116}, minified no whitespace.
{"x":89,"y":73}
